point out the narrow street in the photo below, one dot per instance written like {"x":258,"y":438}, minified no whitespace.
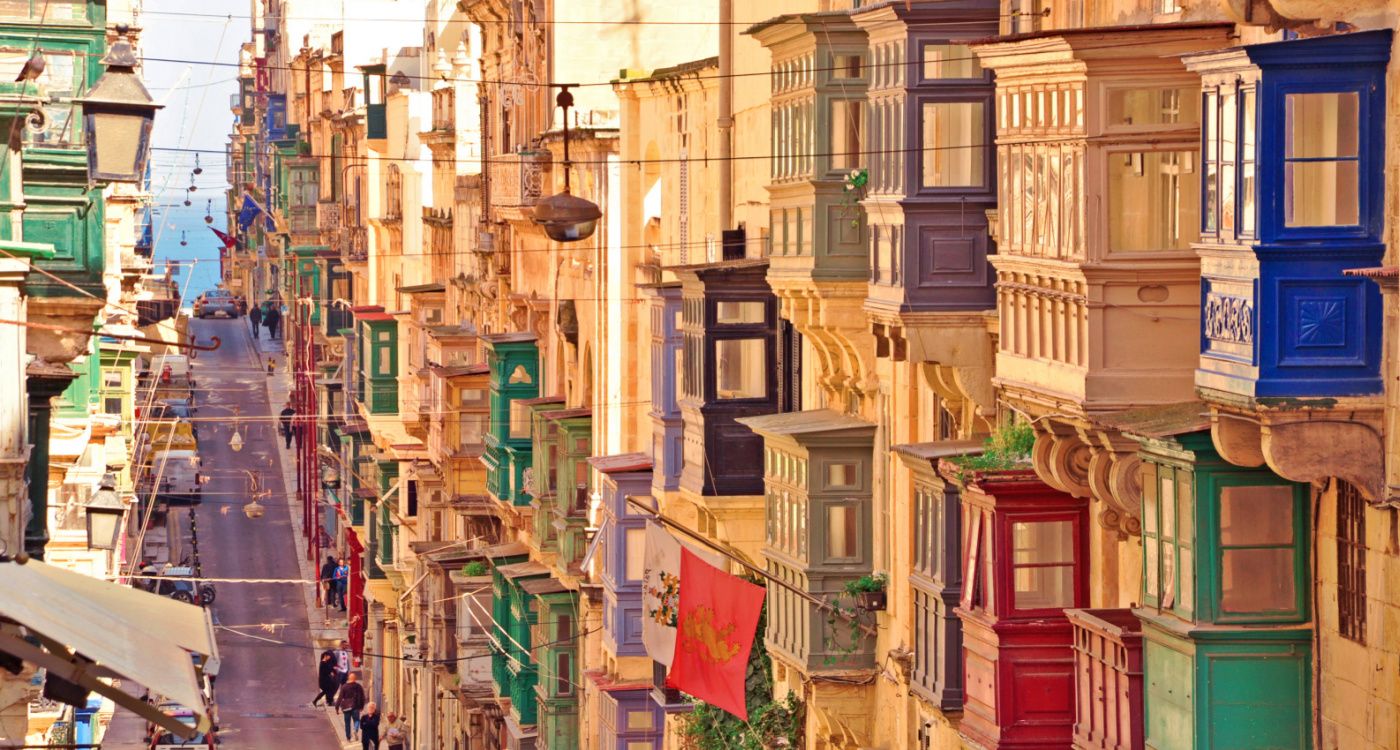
{"x":265,"y":688}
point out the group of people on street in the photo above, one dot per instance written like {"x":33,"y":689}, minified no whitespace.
{"x":268,"y":316}
{"x":341,"y":688}
{"x":335,"y":577}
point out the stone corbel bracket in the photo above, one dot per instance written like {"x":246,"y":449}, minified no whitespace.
{"x":831,"y":320}
{"x":960,"y":390}
{"x":1086,"y":461}
{"x":1308,"y":441}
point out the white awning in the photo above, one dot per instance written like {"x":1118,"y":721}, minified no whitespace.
{"x":92,"y":629}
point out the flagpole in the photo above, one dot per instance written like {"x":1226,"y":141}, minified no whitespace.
{"x":732,"y":554}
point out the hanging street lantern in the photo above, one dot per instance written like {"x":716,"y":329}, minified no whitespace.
{"x":118,"y":113}
{"x":565,"y":217}
{"x":330,"y":478}
{"x":235,"y":443}
{"x":104,"y":516}
{"x":253,"y":510}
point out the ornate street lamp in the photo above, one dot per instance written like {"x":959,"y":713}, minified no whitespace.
{"x":566,"y":217}
{"x":104,"y":515}
{"x":118,"y":113}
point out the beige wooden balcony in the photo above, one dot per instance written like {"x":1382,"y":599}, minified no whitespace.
{"x":518,"y":180}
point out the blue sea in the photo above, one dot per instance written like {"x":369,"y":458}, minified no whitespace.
{"x":198,"y":258}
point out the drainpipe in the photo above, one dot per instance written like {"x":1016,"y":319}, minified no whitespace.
{"x":726,"y":115}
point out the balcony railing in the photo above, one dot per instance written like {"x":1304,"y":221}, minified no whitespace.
{"x":518,"y":180}
{"x":1107,"y":679}
{"x":327,"y":217}
{"x":355,"y":243}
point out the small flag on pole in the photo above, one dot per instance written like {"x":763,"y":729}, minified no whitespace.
{"x":226,"y":238}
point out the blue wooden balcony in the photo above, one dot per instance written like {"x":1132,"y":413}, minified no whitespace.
{"x":1292,"y":199}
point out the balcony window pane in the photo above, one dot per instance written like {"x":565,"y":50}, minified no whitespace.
{"x":741,"y":369}
{"x":1211,"y":144}
{"x":730,"y":313}
{"x":1320,"y":193}
{"x":1050,"y":587}
{"x":636,"y":563}
{"x":1147,"y":107}
{"x":1321,"y":171}
{"x":469,"y":429}
{"x":1247,"y":159}
{"x":1042,"y":558}
{"x":950,"y":61}
{"x":845,"y":134}
{"x":1257,"y":580}
{"x":954,"y":144}
{"x":1256,"y":516}
{"x":1229,"y":131}
{"x":1153,"y":203}
{"x":845,"y":67}
{"x":519,"y":420}
{"x":1321,"y":126}
{"x":841,"y":531}
{"x":841,"y":475}
{"x":640,"y":721}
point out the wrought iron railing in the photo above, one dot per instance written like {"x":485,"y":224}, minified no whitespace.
{"x":518,"y":179}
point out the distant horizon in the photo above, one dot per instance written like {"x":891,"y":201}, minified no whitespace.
{"x":196,"y":120}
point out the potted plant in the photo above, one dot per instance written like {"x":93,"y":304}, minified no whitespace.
{"x":475,"y":569}
{"x":868,"y":592}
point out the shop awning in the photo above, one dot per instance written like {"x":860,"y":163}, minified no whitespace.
{"x":91,"y":629}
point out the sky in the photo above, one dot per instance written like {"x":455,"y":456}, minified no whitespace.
{"x":196,"y":116}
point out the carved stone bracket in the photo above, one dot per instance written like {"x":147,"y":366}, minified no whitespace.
{"x":830,"y":319}
{"x":1085,"y":461}
{"x":959,"y":400}
{"x":1115,"y":477}
{"x":1305,"y":443}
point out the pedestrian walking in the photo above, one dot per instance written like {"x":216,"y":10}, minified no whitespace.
{"x":255,"y":317}
{"x":342,"y":662}
{"x":287,"y":415}
{"x":369,"y":727}
{"x":351,"y":702}
{"x":325,"y":679}
{"x":396,"y":732}
{"x":272,"y":319}
{"x":328,"y":579}
{"x":342,"y":583}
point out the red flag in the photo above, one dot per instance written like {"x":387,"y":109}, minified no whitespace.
{"x":715,"y":630}
{"x":228,"y":240}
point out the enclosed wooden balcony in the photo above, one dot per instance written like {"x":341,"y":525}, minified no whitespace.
{"x":518,"y":181}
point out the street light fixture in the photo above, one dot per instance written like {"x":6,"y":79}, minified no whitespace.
{"x":330,"y":478}
{"x":104,"y":515}
{"x":118,"y":113}
{"x":565,"y":216}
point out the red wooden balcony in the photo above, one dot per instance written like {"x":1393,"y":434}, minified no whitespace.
{"x":1107,"y":679}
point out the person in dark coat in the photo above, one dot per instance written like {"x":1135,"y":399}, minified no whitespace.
{"x":369,"y":728}
{"x":328,"y":580}
{"x":255,"y":318}
{"x":351,"y":702}
{"x":285,"y":417}
{"x":272,"y":319}
{"x":325,"y":679}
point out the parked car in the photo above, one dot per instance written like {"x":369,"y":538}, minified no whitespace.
{"x":163,"y":740}
{"x":174,"y":582}
{"x":216,"y":303}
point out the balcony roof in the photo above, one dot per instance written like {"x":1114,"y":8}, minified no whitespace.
{"x":933,"y":451}
{"x":621,"y":463}
{"x":541,"y":401}
{"x":522,"y":570}
{"x":557,"y":414}
{"x":807,"y":423}
{"x":423,"y":288}
{"x":1159,"y":421}
{"x":446,"y":371}
{"x":520,"y":337}
{"x":543,"y":586}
